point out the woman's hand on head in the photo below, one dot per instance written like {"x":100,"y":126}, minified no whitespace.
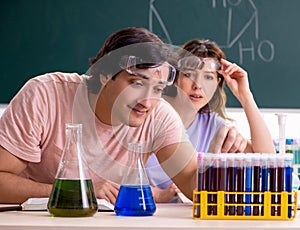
{"x":236,"y":79}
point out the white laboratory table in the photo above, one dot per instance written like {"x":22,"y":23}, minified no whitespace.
{"x":167,"y":216}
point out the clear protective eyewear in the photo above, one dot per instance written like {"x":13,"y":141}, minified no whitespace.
{"x":194,"y":62}
{"x":136,"y":66}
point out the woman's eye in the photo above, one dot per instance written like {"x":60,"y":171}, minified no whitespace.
{"x":209,"y":77}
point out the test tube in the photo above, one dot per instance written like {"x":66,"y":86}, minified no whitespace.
{"x":280,"y":180}
{"x":208,"y":164}
{"x":221,"y":171}
{"x":231,"y":180}
{"x":256,"y":181}
{"x":264,"y":177}
{"x":281,"y":123}
{"x":295,"y":151}
{"x":296,"y":160}
{"x":248,"y":183}
{"x":289,"y":145}
{"x":272,"y":180}
{"x":239,"y":164}
{"x":200,"y":182}
{"x":215,"y":181}
{"x":288,"y":165}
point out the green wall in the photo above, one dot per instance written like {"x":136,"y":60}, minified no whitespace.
{"x":39,"y":36}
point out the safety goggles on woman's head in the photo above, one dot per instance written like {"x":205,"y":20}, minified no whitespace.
{"x":136,"y":66}
{"x":193,"y":62}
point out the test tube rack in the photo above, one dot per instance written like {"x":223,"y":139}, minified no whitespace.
{"x":245,"y":186}
{"x":223,"y":210}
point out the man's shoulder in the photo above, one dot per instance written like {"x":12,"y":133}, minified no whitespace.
{"x":165,"y":111}
{"x":59,"y":77}
{"x":164,"y":107}
{"x":52,"y":84}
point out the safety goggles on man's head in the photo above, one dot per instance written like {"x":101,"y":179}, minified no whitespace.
{"x":194,"y":62}
{"x":136,"y":66}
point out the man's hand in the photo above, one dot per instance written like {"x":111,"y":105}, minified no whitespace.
{"x":164,"y":195}
{"x":227,"y":140}
{"x":106,"y":190}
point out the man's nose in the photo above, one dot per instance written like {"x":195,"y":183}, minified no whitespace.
{"x":145,"y":102}
{"x":145,"y":97}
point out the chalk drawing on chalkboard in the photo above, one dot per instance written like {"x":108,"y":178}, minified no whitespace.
{"x":152,"y":10}
{"x":254,"y":48}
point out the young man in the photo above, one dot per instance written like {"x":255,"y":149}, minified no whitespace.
{"x":118,"y":102}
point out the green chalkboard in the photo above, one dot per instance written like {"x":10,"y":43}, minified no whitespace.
{"x":39,"y":36}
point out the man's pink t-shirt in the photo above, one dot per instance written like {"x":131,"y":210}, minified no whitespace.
{"x":33,"y":128}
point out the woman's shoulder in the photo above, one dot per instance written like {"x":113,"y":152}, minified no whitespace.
{"x":210,"y":117}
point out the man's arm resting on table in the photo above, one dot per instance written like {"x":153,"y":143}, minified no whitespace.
{"x":16,"y":189}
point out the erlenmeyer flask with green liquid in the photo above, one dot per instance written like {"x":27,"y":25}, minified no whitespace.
{"x":72,"y":192}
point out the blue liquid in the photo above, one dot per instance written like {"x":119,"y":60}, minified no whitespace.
{"x":135,"y":200}
{"x":248,"y":189}
{"x":288,"y":186}
{"x":264,"y":185}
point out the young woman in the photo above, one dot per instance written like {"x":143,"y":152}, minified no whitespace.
{"x":199,"y":97}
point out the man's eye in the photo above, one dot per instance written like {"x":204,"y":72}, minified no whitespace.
{"x":158,"y":90}
{"x":136,"y":83}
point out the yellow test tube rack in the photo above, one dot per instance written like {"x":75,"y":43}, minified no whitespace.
{"x":202,"y":208}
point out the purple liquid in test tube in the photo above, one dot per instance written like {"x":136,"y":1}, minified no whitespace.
{"x":215,"y":169}
{"x":201,"y":182}
{"x":256,"y":182}
{"x":280,"y":180}
{"x":221,"y":171}
{"x":264,"y":177}
{"x":240,"y":182}
{"x":272,"y":180}
{"x":208,"y":164}
{"x":231,"y":183}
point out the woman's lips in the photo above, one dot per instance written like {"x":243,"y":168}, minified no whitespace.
{"x":196,"y":97}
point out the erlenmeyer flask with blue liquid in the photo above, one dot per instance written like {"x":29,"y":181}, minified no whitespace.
{"x":135,"y":196}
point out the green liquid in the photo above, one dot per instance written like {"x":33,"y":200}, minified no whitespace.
{"x":72,"y":198}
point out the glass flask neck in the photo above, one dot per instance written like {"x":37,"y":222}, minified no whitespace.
{"x":136,"y":173}
{"x":73,"y":164}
